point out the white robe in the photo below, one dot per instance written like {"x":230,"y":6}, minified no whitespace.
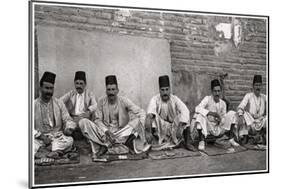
{"x":130,"y":120}
{"x":208,"y":124}
{"x":253,"y":109}
{"x":52,"y":127}
{"x":167,"y":126}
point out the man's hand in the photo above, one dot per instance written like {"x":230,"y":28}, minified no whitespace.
{"x":68,"y":131}
{"x":214,"y":114}
{"x":45,"y":139}
{"x":218,"y":118}
{"x":85,"y":115}
{"x":256,"y":116}
{"x":110,"y":137}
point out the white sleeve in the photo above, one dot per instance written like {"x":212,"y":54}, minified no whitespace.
{"x":201,"y":108}
{"x":151,"y":109}
{"x":243,"y":104}
{"x":184,"y":112}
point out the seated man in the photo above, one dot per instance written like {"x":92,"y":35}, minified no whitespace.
{"x":118,"y":121}
{"x":252,"y":113}
{"x":80,"y":103}
{"x":53,"y":125}
{"x":211,"y":117}
{"x":167,"y":119}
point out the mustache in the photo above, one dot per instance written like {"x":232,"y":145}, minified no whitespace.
{"x":111,"y":95}
{"x":49,"y":94}
{"x":78,"y":88}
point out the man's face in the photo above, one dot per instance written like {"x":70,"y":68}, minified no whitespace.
{"x":112,"y":91}
{"x":216,"y":93}
{"x":165,"y":93}
{"x":257,"y":88}
{"x":47,"y":91}
{"x":79,"y":86}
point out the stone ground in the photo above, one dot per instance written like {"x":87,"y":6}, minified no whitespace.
{"x":134,"y":169}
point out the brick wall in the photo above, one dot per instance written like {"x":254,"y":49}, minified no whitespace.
{"x":233,"y":48}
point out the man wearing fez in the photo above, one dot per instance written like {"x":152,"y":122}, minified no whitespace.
{"x":53,"y":125}
{"x":117,"y":121}
{"x":167,"y":122}
{"x":252,"y":112}
{"x":211,"y":117}
{"x":81,"y":102}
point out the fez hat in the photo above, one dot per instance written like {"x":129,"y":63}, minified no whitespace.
{"x":80,"y":75}
{"x":110,"y":80}
{"x":164,"y":81}
{"x":48,"y":77}
{"x":257,"y":79}
{"x":215,"y":83}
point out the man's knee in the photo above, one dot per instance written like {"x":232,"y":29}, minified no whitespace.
{"x":84,"y":123}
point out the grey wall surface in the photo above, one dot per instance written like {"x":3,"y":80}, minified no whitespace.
{"x":137,"y":61}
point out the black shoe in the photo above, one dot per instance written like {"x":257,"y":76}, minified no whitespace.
{"x":190,"y":147}
{"x":129,"y":142}
{"x":102,"y":151}
{"x":188,"y":140}
{"x":244,"y":140}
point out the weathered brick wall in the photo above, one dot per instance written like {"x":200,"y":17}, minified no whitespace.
{"x":197,"y":43}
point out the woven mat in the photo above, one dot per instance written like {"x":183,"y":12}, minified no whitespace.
{"x":116,"y":157}
{"x":44,"y":161}
{"x":172,"y":154}
{"x":214,"y":150}
{"x":257,"y":147}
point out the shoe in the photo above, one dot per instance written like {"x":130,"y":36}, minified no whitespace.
{"x":233,"y":143}
{"x":129,"y":143}
{"x":190,"y":147}
{"x":53,"y":155}
{"x":102,"y":151}
{"x":188,"y":140}
{"x":201,"y":145}
{"x":244,"y":140}
{"x":258,"y":139}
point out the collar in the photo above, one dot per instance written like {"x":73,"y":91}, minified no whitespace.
{"x":214,"y":99}
{"x":45,"y":103}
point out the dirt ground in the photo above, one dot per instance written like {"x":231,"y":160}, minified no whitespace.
{"x":135,"y":169}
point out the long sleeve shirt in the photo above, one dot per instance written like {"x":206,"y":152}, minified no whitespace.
{"x":253,"y":104}
{"x":209,"y":105}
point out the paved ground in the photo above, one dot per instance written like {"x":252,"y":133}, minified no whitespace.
{"x":89,"y":171}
